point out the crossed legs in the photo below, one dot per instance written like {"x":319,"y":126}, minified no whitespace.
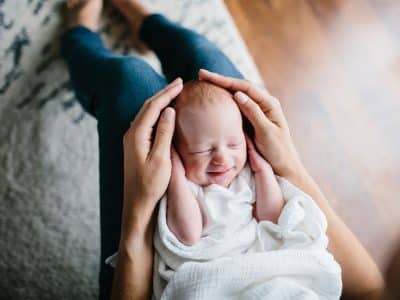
{"x":112,"y":88}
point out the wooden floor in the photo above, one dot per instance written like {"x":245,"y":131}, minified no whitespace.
{"x":335,"y":66}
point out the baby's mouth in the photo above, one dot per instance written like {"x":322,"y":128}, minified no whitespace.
{"x":218,"y":173}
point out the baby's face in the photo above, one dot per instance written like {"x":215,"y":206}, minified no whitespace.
{"x":212,"y":143}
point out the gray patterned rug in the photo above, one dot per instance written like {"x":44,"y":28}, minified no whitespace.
{"x":49,"y":193}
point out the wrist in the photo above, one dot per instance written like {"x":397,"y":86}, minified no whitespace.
{"x":137,"y":234}
{"x":137,"y":218}
{"x":294,"y":169}
{"x":303,"y":180}
{"x":299,"y":176}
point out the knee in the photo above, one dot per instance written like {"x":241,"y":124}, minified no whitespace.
{"x":131,"y":72}
{"x":208,"y":56}
{"x":130,"y":82}
{"x":132,"y":77}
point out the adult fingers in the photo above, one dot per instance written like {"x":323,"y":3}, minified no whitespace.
{"x":231,"y":83}
{"x":148,"y":115}
{"x":252,"y":111}
{"x":163,"y":138}
{"x":268,"y":104}
{"x":150,"y":112}
{"x":237,"y":84}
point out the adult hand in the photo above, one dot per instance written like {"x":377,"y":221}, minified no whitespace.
{"x":147,"y":163}
{"x":271,"y":132}
{"x":361,"y":276}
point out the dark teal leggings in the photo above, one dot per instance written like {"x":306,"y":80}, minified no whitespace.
{"x":112,"y":88}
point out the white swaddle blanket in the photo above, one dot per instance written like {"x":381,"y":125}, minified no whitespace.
{"x":238,"y":258}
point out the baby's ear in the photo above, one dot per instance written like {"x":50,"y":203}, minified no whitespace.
{"x":248,"y":128}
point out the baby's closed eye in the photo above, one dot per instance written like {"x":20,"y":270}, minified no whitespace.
{"x":202,"y":151}
{"x":235,"y":145}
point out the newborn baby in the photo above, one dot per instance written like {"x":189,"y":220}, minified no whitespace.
{"x":211,"y":143}
{"x":228,"y":229}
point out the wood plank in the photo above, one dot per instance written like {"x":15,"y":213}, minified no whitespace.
{"x":334,"y":65}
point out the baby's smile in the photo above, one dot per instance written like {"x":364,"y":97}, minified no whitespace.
{"x":221,"y":177}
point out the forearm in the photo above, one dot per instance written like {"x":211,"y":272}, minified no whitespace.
{"x":183,"y":212}
{"x":269,"y":201}
{"x":133,"y":271}
{"x":361,"y":276}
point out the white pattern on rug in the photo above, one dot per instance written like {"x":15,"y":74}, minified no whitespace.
{"x":49,"y":224}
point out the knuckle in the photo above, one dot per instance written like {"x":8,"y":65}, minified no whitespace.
{"x":130,"y":136}
{"x":252,"y":106}
{"x":151,"y":104}
{"x":162,"y":129}
{"x":126,"y":135}
{"x":149,"y":100}
{"x":158,"y":159}
{"x":276,"y":102}
{"x":247,"y":87}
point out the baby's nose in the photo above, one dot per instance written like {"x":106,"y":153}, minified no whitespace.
{"x":219,"y":158}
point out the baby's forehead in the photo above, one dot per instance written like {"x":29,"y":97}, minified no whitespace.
{"x":218,"y":108}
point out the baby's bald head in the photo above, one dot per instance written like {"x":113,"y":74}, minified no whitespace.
{"x":199,"y":96}
{"x":201,"y":93}
{"x":209,"y":133}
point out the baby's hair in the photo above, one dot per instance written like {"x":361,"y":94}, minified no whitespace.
{"x":198,"y":92}
{"x":201,"y":93}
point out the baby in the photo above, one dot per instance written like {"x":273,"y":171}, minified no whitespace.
{"x":211,"y":143}
{"x":218,"y":235}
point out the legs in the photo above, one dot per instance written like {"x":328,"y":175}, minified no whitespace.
{"x":183,"y":52}
{"x":112,"y":89}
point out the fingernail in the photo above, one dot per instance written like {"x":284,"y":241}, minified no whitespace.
{"x":168,"y":114}
{"x":241,"y":97}
{"x":204,"y":70}
{"x":177,"y":81}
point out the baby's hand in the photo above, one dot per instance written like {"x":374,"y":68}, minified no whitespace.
{"x":257,"y":163}
{"x":178,"y":171}
{"x":269,"y":199}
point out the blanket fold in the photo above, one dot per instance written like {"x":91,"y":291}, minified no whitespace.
{"x":238,"y":258}
{"x":249,"y":260}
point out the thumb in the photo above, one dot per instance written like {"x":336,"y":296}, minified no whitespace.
{"x":164,"y":133}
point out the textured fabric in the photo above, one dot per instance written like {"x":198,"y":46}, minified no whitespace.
{"x":238,"y":258}
{"x":113,"y":88}
{"x":49,"y":150}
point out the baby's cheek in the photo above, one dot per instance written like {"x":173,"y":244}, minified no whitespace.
{"x":195,"y":171}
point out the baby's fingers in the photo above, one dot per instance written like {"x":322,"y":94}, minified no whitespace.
{"x":177,"y":165}
{"x":174,"y":155}
{"x":253,"y":155}
{"x":257,"y":162}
